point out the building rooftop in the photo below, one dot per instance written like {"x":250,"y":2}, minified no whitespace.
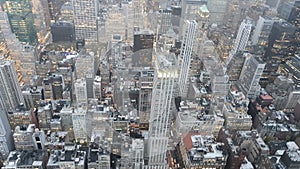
{"x":166,"y":65}
{"x":201,"y":147}
{"x":144,"y":32}
{"x":266,"y":97}
{"x":25,"y":158}
{"x":70,"y":153}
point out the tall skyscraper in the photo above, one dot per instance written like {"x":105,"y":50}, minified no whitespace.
{"x":40,"y":10}
{"x":143,"y":40}
{"x":10,"y":98}
{"x":290,"y":11}
{"x":21,"y":20}
{"x":242,"y":38}
{"x":10,"y":93}
{"x":186,"y":55}
{"x":202,"y":18}
{"x":85,"y":19}
{"x":190,"y":8}
{"x":81,"y":92}
{"x":219,"y":82}
{"x":165,"y":20}
{"x":165,"y":77}
{"x":281,"y":47}
{"x":250,"y":76}
{"x":190,"y":11}
{"x":6,"y":140}
{"x":85,"y":69}
{"x":292,"y":69}
{"x":63,"y":31}
{"x":5,"y":32}
{"x":262,"y":30}
{"x":144,"y":105}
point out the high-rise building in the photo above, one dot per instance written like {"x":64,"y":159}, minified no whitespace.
{"x":190,"y":157}
{"x":236,"y":12}
{"x":242,"y":37}
{"x":20,"y":117}
{"x":44,"y":114}
{"x":97,"y":87}
{"x":217,"y":9}
{"x":85,"y":66}
{"x":273,"y":3}
{"x":138,"y":153}
{"x":21,"y":20}
{"x":10,"y":92}
{"x":29,"y":138}
{"x":165,"y":20}
{"x":63,"y":31}
{"x":289,"y":11}
{"x":235,"y":66}
{"x":190,"y":11}
{"x":249,"y":79}
{"x":219,"y":81}
{"x":281,"y":47}
{"x":262,"y":30}
{"x":185,"y":58}
{"x":4,"y":33}
{"x":53,"y":87}
{"x":144,"y":101}
{"x":85,"y":20}
{"x":66,"y":12}
{"x":81,"y":92}
{"x":79,"y":120}
{"x":27,"y":63}
{"x":292,"y":69}
{"x":202,"y":19}
{"x":143,"y":40}
{"x":40,"y":11}
{"x":190,"y":8}
{"x":165,"y":77}
{"x":6,"y":143}
{"x":133,"y":13}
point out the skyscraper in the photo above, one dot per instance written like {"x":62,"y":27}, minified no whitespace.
{"x":242,"y":37}
{"x":85,"y":19}
{"x":6,"y":140}
{"x":217,"y":10}
{"x":190,"y":11}
{"x":250,"y":76}
{"x":143,"y":40}
{"x":186,"y":55}
{"x":165,"y":78}
{"x":292,"y":69}
{"x":21,"y":20}
{"x":165,"y":20}
{"x":81,"y":92}
{"x":10,"y":93}
{"x":262,"y":31}
{"x":10,"y":98}
{"x":280,"y":48}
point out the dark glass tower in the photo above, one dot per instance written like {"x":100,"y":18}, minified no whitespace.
{"x":21,"y":19}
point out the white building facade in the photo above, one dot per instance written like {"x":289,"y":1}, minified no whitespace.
{"x":250,"y":76}
{"x":85,"y":19}
{"x":10,"y":92}
{"x":165,"y":78}
{"x":242,"y":38}
{"x":186,"y":56}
